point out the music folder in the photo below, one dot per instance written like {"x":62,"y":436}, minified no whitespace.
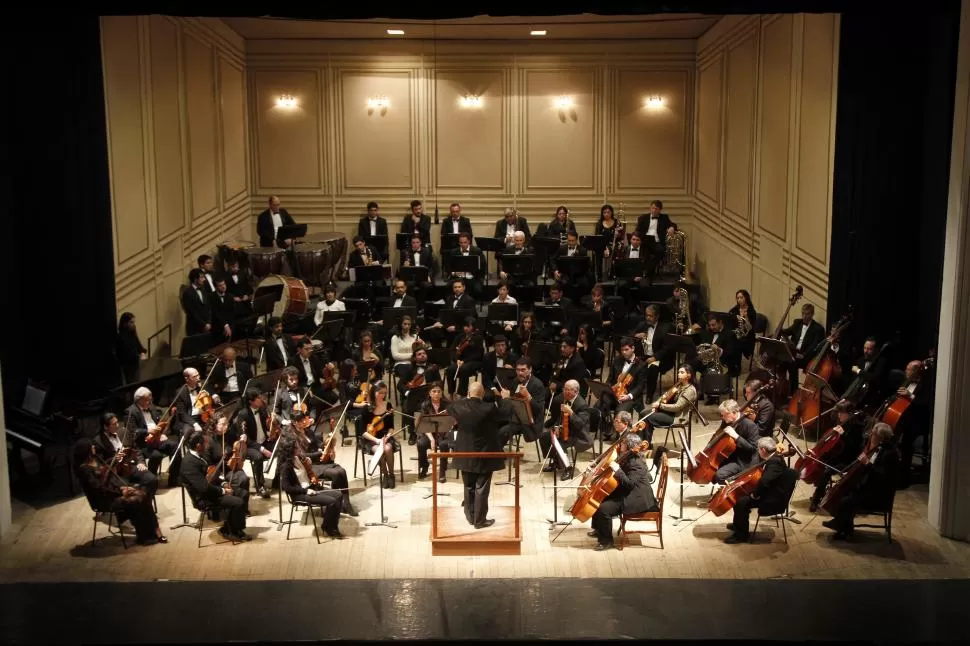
{"x":411,"y":274}
{"x":195,"y":345}
{"x":367,"y":273}
{"x":543,"y":352}
{"x":588,"y":317}
{"x":329,"y":331}
{"x":549,"y":313}
{"x":379,"y":243}
{"x":518,"y":409}
{"x":506,"y":377}
{"x":503,"y":312}
{"x":518,"y":265}
{"x":449,"y":241}
{"x":490,"y":244}
{"x":452,"y":316}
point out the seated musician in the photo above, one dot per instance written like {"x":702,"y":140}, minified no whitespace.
{"x":302,"y":486}
{"x":652,"y":333}
{"x":194,"y":474}
{"x":588,"y":349}
{"x":279,"y":347}
{"x":715,"y":334}
{"x":565,"y":273}
{"x":330,"y":303}
{"x":633,"y":371}
{"x":571,"y":404}
{"x":745,"y":434}
{"x":674,"y":403}
{"x":630,"y":287}
{"x":473,"y":279}
{"x":530,"y":389}
{"x":917,"y":420}
{"x":570,"y":367}
{"x":220,"y":445}
{"x":108,"y":444}
{"x":365,"y":352}
{"x":510,"y":224}
{"x":805,"y":334}
{"x":416,"y":373}
{"x":364,"y":255}
{"x":108,"y":492}
{"x":599,"y":304}
{"x":292,"y":395}
{"x":373,"y":224}
{"x":143,"y":417}
{"x":684,"y":310}
{"x":312,"y":444}
{"x":252,"y":422}
{"x":402,"y":345}
{"x":500,"y":357}
{"x":503,"y":298}
{"x":553,"y":330}
{"x":310,"y":374}
{"x":223,"y":313}
{"x":230,"y":376}
{"x":469,"y":352}
{"x":459,"y":300}
{"x":522,"y":335}
{"x":762,"y":408}
{"x":770,"y":491}
{"x":851,"y":427}
{"x":870,"y":370}
{"x":349,"y":388}
{"x":376,"y":423}
{"x":561,"y":224}
{"x":441,"y":441}
{"x":876,"y":484}
{"x":516,"y":276}
{"x":634,"y":494}
{"x":418,"y":255}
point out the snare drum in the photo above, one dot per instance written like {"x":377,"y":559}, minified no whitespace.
{"x":295,"y":298}
{"x":314,"y":263}
{"x":264,"y":261}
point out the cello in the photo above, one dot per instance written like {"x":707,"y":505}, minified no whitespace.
{"x":599,"y":479}
{"x":768,"y":365}
{"x":851,"y":478}
{"x":895,"y":405}
{"x":806,"y":402}
{"x":719,"y":447}
{"x":812,"y":465}
{"x":744,"y":484}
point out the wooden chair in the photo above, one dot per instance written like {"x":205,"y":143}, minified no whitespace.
{"x":650,"y":516}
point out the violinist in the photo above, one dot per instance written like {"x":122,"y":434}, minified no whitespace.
{"x":469,"y":352}
{"x":570,"y":367}
{"x":634,"y":494}
{"x":366,"y":352}
{"x":522,"y":336}
{"x":252,"y":418}
{"x":290,"y":396}
{"x":187,"y":407}
{"x":745,"y":434}
{"x":761,"y":410}
{"x":770,"y":491}
{"x":880,"y":464}
{"x":500,"y":357}
{"x":279,"y":347}
{"x":323,"y":464}
{"x":417,"y":373}
{"x":675,"y":402}
{"x":196,"y":481}
{"x":529,"y":389}
{"x":220,"y":445}
{"x":851,"y":428}
{"x":230,"y":376}
{"x":107,"y":491}
{"x":302,"y":485}
{"x":144,"y":417}
{"x":568,"y":404}
{"x":441,"y":441}
{"x":131,"y":465}
{"x":372,"y":427}
{"x":627,"y":373}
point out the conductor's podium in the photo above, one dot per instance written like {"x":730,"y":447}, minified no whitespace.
{"x":451,"y":535}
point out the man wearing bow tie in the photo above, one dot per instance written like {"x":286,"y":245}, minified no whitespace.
{"x":653,"y":228}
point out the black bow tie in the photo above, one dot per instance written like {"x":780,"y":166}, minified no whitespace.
{"x":654,"y":217}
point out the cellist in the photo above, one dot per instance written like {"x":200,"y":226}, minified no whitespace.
{"x":851,"y":428}
{"x":770,"y":490}
{"x":745,"y":434}
{"x":880,"y":461}
{"x":634,"y":494}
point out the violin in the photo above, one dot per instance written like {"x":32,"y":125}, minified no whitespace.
{"x":117,"y":484}
{"x":154,"y":436}
{"x":205,"y":405}
{"x":239,"y":449}
{"x":463,"y":345}
{"x":365,"y":388}
{"x":330,"y":376}
{"x":621,"y":385}
{"x":376,"y":425}
{"x":420,"y":380}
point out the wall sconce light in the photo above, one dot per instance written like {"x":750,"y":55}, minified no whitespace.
{"x":470,"y":101}
{"x":378,"y":102}
{"x":286,"y":101}
{"x":564,"y":102}
{"x":654,"y":101}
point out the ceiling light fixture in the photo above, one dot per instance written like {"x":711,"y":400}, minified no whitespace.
{"x":395,"y":32}
{"x":537,"y":32}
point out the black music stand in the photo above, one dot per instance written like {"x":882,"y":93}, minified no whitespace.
{"x":775,"y":349}
{"x":292,"y":232}
{"x":415,"y":396}
{"x":265,"y":291}
{"x":440,"y":357}
{"x":194,"y":346}
{"x":519,"y":266}
{"x":489,"y":244}
{"x":730,"y":321}
{"x":503,"y":312}
{"x":392,"y":315}
{"x":572,"y":266}
{"x":451,"y":316}
{"x":506,"y":377}
{"x":416,"y":275}
{"x":458,"y":264}
{"x":540,"y":351}
{"x":517,"y":407}
{"x":682,"y":345}
{"x":379,"y":243}
{"x":432,"y":424}
{"x":600,"y":390}
{"x":546,"y":314}
{"x":403,"y":240}
{"x":449,"y":241}
{"x":595,"y":244}
{"x":588,"y":317}
{"x":328,"y":332}
{"x":546,"y":246}
{"x":368,"y":274}
{"x":627,"y":269}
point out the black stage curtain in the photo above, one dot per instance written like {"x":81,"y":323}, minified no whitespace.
{"x":59,"y":278}
{"x":892,"y":159}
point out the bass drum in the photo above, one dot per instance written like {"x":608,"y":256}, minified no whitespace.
{"x":314,"y":263}
{"x":264,"y":261}
{"x":295,"y":298}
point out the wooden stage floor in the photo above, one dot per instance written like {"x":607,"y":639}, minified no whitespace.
{"x":52,"y":543}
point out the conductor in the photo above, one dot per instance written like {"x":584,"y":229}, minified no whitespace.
{"x":478,"y":424}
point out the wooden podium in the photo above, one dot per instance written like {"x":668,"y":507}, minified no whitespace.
{"x":451,"y":535}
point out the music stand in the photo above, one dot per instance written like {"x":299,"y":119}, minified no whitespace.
{"x":503,"y":312}
{"x":328,"y":332}
{"x":600,"y":390}
{"x":367,"y":274}
{"x":194,"y":346}
{"x":588,"y":317}
{"x":685,"y":450}
{"x":775,"y":349}
{"x":572,"y":266}
{"x":489,"y":244}
{"x":379,"y":243}
{"x":546,"y":314}
{"x":681,"y":344}
{"x":519,"y":265}
{"x":458,"y":264}
{"x":543,"y":351}
{"x":291,"y":231}
{"x":392,"y":315}
{"x":730,"y":321}
{"x":555,"y":446}
{"x":627,"y":269}
{"x":517,"y":407}
{"x":451,"y":316}
{"x":595,"y":244}
{"x":416,"y":275}
{"x":431,"y":424}
{"x":449,"y":241}
{"x":440,"y":357}
{"x":415,"y":396}
{"x":403,"y":240}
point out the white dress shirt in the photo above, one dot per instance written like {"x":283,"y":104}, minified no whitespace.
{"x":652,"y":229}
{"x":323,"y":307}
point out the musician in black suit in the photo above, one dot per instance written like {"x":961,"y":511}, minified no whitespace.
{"x":635,"y":250}
{"x":851,"y":428}
{"x":143,"y":416}
{"x":565,"y":273}
{"x":716,"y":334}
{"x":764,"y":410}
{"x":269,"y":222}
{"x":279,"y":347}
{"x":194,"y":476}
{"x":771,"y":491}
{"x":805,"y":335}
{"x":478,"y":431}
{"x":297,"y":482}
{"x":626,"y":363}
{"x":253,"y":421}
{"x":419,"y":256}
{"x":654,"y":227}
{"x":196,"y":305}
{"x":374,"y":224}
{"x":221,"y":441}
{"x":473,"y":279}
{"x":870,"y":370}
{"x":517,"y":276}
{"x":875,"y":486}
{"x":456,"y":222}
{"x":310,"y":371}
{"x":633,"y":495}
{"x":223,"y":313}
{"x":324,"y":465}
{"x":526,"y":387}
{"x":239,"y":284}
{"x":553,"y":330}
{"x":230,"y":376}
{"x":459,"y":300}
{"x":917,"y":420}
{"x":746,"y":436}
{"x":499,"y":357}
{"x":107,"y":443}
{"x":571,"y":403}
{"x":509,"y":224}
{"x":416,"y":222}
{"x":570,"y":367}
{"x":652,"y":333}
{"x":469,"y":352}
{"x":418,"y":366}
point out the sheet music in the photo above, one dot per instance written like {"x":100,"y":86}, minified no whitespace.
{"x":559,"y":450}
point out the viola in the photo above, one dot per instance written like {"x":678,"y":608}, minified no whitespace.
{"x":420,"y":380}
{"x":463,"y":345}
{"x":154,"y":436}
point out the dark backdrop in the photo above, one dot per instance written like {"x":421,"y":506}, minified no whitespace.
{"x":892,"y":158}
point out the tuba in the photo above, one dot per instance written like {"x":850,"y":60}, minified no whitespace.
{"x":675,"y":256}
{"x":710,"y":355}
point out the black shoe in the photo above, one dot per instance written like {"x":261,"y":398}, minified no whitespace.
{"x":603,"y":546}
{"x":830,"y":523}
{"x":733,"y":539}
{"x":422,"y":474}
{"x":442,"y":478}
{"x":243,"y":537}
{"x":548,"y":468}
{"x":567,"y":474}
{"x":591,"y":533}
{"x":263,"y":493}
{"x":333,"y":533}
{"x":161,"y":539}
{"x":842,"y":535}
{"x":225,"y":532}
{"x":730,"y":527}
{"x":391,"y":482}
{"x":488,"y":523}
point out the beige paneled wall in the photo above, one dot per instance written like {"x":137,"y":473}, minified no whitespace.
{"x":175,"y":92}
{"x":331,"y":153}
{"x":764,"y":145}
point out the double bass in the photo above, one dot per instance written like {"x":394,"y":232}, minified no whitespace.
{"x":599,"y":480}
{"x":806,"y":402}
{"x":720,"y":447}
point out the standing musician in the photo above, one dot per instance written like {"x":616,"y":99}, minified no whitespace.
{"x":478,"y":423}
{"x":851,"y":428}
{"x":676,"y":401}
{"x":194,"y":475}
{"x":510,"y":224}
{"x":279,"y":347}
{"x":469,"y":352}
{"x":321,"y":466}
{"x":143,"y":418}
{"x":105,"y":491}
{"x":627,"y":373}
{"x":269,"y":222}
{"x":108,"y":444}
{"x":880,"y":463}
{"x":761,"y":411}
{"x":230,"y":376}
{"x":440,"y":441}
{"x":302,"y":486}
{"x":223,"y":313}
{"x":745,"y":434}
{"x":770,"y":492}
{"x":634,"y":494}
{"x":373,"y":224}
{"x":220,"y":445}
{"x":240,"y":287}
{"x":196,"y":305}
{"x":531,"y":390}
{"x":568,"y":404}
{"x":652,"y":333}
{"x":805,"y":334}
{"x":416,"y":222}
{"x":376,"y":424}
{"x":259,"y":447}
